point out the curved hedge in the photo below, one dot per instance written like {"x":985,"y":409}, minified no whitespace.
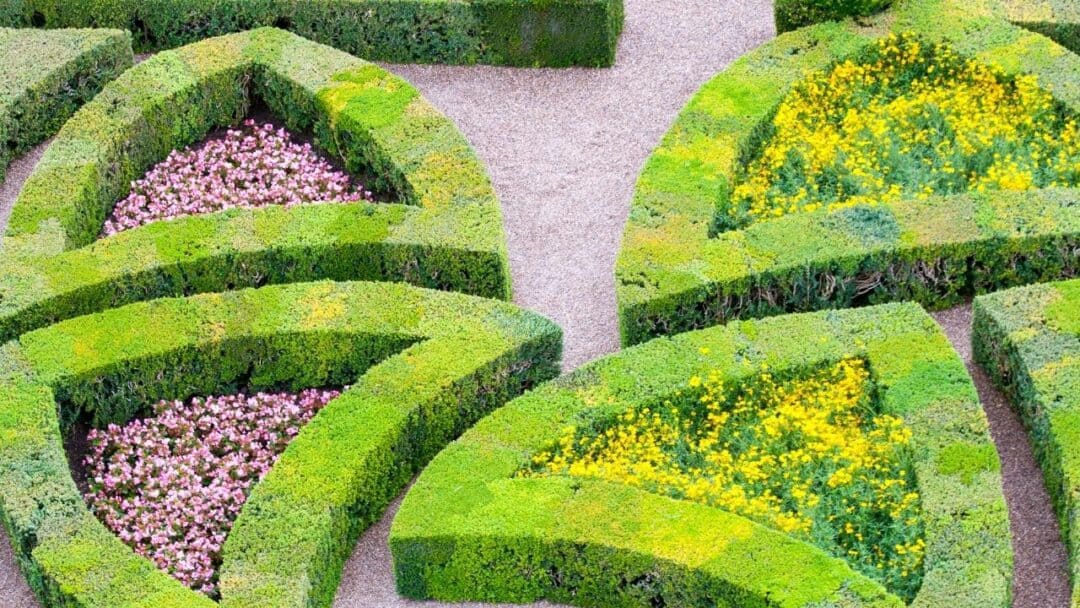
{"x":507,"y":32}
{"x":446,"y":232}
{"x":46,"y":76}
{"x":1028,"y":341}
{"x":674,"y":273}
{"x":423,"y":366}
{"x":470,"y":530}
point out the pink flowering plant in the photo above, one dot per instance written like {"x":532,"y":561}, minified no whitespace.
{"x":170,"y":486}
{"x":252,"y":166}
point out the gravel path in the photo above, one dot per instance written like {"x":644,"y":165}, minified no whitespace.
{"x":563,"y":148}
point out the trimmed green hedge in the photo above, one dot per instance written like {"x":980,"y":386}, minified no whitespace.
{"x":1055,"y":19}
{"x":509,"y":32}
{"x":423,"y":366}
{"x":674,"y":273}
{"x":1028,"y":341}
{"x":470,"y":530}
{"x":445,"y":233}
{"x":793,"y":14}
{"x":46,"y":76}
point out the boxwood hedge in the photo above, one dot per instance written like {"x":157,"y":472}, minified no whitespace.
{"x":676,"y":272}
{"x":422,"y":365}
{"x":793,"y":14}
{"x":510,"y":32}
{"x":46,"y":76}
{"x":444,"y":231}
{"x":1028,"y":341}
{"x":469,"y":529}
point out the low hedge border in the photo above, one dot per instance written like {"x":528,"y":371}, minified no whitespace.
{"x":553,"y":33}
{"x":46,"y":76}
{"x":446,"y":232}
{"x":423,"y":365}
{"x":470,"y":530}
{"x":674,"y":273}
{"x":792,"y":14}
{"x":1028,"y":341}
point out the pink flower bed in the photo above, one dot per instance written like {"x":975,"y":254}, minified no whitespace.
{"x":171,"y":486}
{"x":253,"y":166}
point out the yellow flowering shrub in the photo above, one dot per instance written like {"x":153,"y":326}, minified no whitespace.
{"x":807,"y":456}
{"x":908,"y":120}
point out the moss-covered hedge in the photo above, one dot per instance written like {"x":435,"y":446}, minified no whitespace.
{"x":46,"y":76}
{"x":445,"y":231}
{"x":1028,"y":341}
{"x":423,"y":365}
{"x":470,"y":530}
{"x":509,"y":32}
{"x":675,"y":273}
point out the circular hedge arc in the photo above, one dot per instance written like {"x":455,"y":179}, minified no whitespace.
{"x":46,"y":76}
{"x":507,"y":32}
{"x":470,"y":530}
{"x":423,"y":366}
{"x":445,"y":232}
{"x":1028,"y":341}
{"x":673,"y":273}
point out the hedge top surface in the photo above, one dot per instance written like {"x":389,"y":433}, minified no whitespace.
{"x":31,"y":55}
{"x":507,"y":32}
{"x":446,"y":230}
{"x":450,"y":358}
{"x":1028,"y":340}
{"x":674,"y":274}
{"x":1057,"y":19}
{"x":468,"y":507}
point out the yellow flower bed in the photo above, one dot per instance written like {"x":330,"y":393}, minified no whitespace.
{"x":908,"y":120}
{"x":807,"y":456}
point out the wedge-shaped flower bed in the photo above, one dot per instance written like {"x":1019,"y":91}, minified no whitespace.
{"x":46,"y":76}
{"x":443,"y":228}
{"x":684,"y":264}
{"x":422,"y":365}
{"x":1028,"y":341}
{"x":509,"y":32}
{"x":474,"y":528}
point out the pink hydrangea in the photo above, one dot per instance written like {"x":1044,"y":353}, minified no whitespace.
{"x":170,"y":486}
{"x":253,"y":166}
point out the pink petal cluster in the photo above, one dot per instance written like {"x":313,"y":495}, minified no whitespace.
{"x":253,"y":166}
{"x":170,"y":486}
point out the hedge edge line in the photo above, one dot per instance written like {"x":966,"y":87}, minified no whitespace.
{"x":1019,"y":341}
{"x":469,"y":530}
{"x":447,"y":234}
{"x":672,"y":275}
{"x":552,"y":33}
{"x":47,"y":76}
{"x":451,"y":358}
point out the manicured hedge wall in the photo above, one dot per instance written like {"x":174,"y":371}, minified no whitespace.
{"x":451,"y":359}
{"x":470,"y":530}
{"x":1028,"y":341}
{"x":510,"y":32}
{"x":1056,"y":19}
{"x":46,"y":76}
{"x":445,"y":231}
{"x":674,"y":274}
{"x":793,"y":14}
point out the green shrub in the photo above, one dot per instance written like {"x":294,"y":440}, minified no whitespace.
{"x":422,"y":365}
{"x":793,"y":14}
{"x":444,"y":231}
{"x":676,"y":272}
{"x":46,"y":76}
{"x":472,"y":528}
{"x":1028,"y":341}
{"x":509,"y":32}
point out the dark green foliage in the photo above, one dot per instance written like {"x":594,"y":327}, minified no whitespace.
{"x":46,"y":76}
{"x":445,"y":231}
{"x":422,"y":365}
{"x":1028,"y":342}
{"x":793,"y":14}
{"x":509,"y":32}
{"x":470,"y":529}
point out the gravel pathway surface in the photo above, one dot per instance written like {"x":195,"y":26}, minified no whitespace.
{"x":564,"y":148}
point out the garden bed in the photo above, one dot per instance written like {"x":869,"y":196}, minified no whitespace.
{"x":1028,"y":341}
{"x":474,"y":528}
